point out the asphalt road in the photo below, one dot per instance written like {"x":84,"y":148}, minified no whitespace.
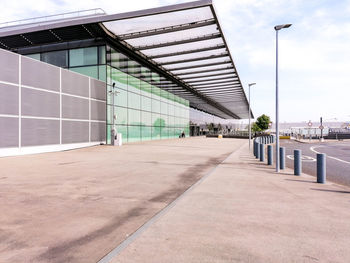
{"x":338,"y":158}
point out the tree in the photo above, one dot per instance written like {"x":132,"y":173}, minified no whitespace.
{"x":255,"y":127}
{"x":262,"y":122}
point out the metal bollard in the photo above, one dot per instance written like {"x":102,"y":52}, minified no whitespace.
{"x":321,"y":168}
{"x":269,"y":155}
{"x":257,"y":151}
{"x":282,"y":157}
{"x":297,"y":162}
{"x":262,"y":152}
{"x":254,"y":147}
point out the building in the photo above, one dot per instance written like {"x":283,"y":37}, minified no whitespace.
{"x":159,"y":66}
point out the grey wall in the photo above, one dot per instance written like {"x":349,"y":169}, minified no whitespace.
{"x":41,"y":104}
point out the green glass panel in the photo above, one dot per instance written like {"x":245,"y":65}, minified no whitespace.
{"x":109,"y":114}
{"x":171,"y":110}
{"x":34,"y":56}
{"x":146,"y":88}
{"x":164,"y":133}
{"x":134,"y":133}
{"x":164,"y":108}
{"x":102,"y":73}
{"x":109,"y":94}
{"x":133,"y":84}
{"x":176,"y":111}
{"x":164,"y":119}
{"x":171,"y":133}
{"x":171,"y":121}
{"x":109,"y":74}
{"x":182,"y":112}
{"x":156,"y":121}
{"x":108,"y":139}
{"x":155,"y":106}
{"x":119,"y":78}
{"x":155,"y":92}
{"x":146,"y":133}
{"x":102,"y":54}
{"x":187,"y":131}
{"x":177,"y":122}
{"x":122,"y":115}
{"x":146,"y":103}
{"x":134,"y":100}
{"x":91,"y":71}
{"x":121,"y":98}
{"x":164,"y":95}
{"x":134,"y":117}
{"x":178,"y":132}
{"x":146,"y":118}
{"x":124,"y":131}
{"x":83,"y":56}
{"x":171,"y":98}
{"x":156,"y":133}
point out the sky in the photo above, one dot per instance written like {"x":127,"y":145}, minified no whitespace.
{"x":314,"y":53}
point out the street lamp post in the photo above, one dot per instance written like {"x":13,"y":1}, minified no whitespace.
{"x":250,"y":128}
{"x":277,"y":28}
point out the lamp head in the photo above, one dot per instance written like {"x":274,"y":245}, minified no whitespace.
{"x":279,"y":27}
{"x":251,"y":84}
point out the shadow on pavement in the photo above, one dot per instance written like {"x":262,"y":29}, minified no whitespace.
{"x":334,"y":191}
{"x":302,"y":181}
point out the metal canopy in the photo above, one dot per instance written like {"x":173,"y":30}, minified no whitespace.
{"x":184,"y":42}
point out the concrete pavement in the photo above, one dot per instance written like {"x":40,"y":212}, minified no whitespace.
{"x":244,"y":212}
{"x":77,"y":206}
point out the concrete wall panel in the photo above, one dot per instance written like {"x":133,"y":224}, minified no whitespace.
{"x":8,"y":99}
{"x":98,"y":89}
{"x":75,"y":84}
{"x":9,"y":65}
{"x":75,"y":131}
{"x":8,"y":132}
{"x":40,"y":75}
{"x":98,"y":110}
{"x":40,"y":132}
{"x":40,"y":103}
{"x":75,"y":108}
{"x":98,"y":131}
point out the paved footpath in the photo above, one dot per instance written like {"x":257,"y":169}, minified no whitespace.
{"x":244,"y":212}
{"x":77,"y":206}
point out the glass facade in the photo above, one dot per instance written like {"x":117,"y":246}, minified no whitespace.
{"x":142,"y":110}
